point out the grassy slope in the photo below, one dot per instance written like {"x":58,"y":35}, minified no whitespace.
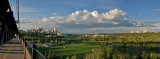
{"x":78,"y":49}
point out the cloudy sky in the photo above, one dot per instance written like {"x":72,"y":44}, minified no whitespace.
{"x":89,"y":16}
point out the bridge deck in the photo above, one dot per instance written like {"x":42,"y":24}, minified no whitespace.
{"x":12,"y":50}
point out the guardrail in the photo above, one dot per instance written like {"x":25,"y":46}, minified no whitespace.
{"x":26,"y":45}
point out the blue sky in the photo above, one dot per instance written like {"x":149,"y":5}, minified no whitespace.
{"x":145,"y":13}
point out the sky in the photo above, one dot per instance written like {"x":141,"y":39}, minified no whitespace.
{"x":89,"y":16}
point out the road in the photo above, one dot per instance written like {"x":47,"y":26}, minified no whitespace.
{"x":12,"y":50}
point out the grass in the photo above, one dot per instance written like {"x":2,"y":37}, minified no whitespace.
{"x":80,"y":49}
{"x":122,"y":45}
{"x":77,"y":48}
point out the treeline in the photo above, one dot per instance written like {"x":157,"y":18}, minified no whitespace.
{"x":52,"y":38}
{"x":126,"y":51}
{"x":125,"y":37}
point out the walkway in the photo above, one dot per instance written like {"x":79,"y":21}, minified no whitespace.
{"x":11,"y":50}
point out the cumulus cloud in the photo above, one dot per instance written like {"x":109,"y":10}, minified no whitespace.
{"x":114,"y":16}
{"x":44,"y":19}
{"x":86,"y":19}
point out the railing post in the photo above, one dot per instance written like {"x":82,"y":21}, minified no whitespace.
{"x":24,"y":45}
{"x":22,"y":42}
{"x":33,"y":51}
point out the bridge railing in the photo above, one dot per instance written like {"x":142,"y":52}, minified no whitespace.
{"x":27,"y":46}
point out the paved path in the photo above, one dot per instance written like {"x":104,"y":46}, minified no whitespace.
{"x":11,"y":50}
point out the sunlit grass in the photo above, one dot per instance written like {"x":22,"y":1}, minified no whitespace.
{"x":78,"y":49}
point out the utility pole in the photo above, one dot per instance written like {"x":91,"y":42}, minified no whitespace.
{"x":18,"y":11}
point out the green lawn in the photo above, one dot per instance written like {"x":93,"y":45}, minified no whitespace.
{"x":77,"y":48}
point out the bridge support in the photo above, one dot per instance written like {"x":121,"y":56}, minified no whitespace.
{"x":33,"y":51}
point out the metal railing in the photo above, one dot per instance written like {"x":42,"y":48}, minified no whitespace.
{"x":8,"y":29}
{"x":27,"y":55}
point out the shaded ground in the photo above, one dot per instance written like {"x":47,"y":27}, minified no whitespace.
{"x":11,"y":50}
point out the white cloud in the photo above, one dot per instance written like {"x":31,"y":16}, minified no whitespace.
{"x":85,"y":19}
{"x":115,"y":15}
{"x":44,"y":19}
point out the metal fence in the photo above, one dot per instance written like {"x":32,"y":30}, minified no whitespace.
{"x":8,"y":29}
{"x":27,"y":47}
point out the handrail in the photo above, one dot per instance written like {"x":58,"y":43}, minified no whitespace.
{"x":40,"y":55}
{"x":35,"y":52}
{"x":29,"y":43}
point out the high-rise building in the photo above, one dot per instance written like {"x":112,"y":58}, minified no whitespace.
{"x":137,"y":31}
{"x":52,"y":30}
{"x":144,"y":30}
{"x":33,"y":30}
{"x":26,"y":30}
{"x":140,"y":31}
{"x":55,"y":29}
{"x":47,"y":31}
{"x":39,"y":30}
{"x":132,"y":31}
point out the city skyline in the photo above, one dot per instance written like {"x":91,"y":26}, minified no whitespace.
{"x":104,"y":16}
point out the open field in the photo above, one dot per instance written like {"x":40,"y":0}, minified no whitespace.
{"x":77,"y":48}
{"x":116,"y":50}
{"x":112,"y":46}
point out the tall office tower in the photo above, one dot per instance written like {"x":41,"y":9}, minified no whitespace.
{"x":33,"y":30}
{"x":140,"y":31}
{"x":39,"y":30}
{"x":144,"y":30}
{"x":55,"y":29}
{"x":47,"y":31}
{"x":52,"y":30}
{"x":134,"y":31}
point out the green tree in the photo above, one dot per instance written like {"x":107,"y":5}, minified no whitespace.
{"x":67,"y":57}
{"x":74,"y":57}
{"x":45,"y":54}
{"x":39,"y":41}
{"x":51,"y":41}
{"x":49,"y":54}
{"x":53,"y":55}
